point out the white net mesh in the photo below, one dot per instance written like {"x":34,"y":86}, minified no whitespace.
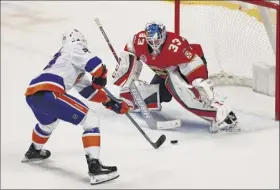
{"x":232,"y":41}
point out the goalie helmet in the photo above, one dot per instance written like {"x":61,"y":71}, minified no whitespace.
{"x":155,"y":35}
{"x":73,"y":35}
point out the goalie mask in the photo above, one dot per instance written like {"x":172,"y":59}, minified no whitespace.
{"x":73,"y":35}
{"x":155,"y":35}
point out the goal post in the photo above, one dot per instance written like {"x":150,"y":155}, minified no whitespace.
{"x":242,"y":43}
{"x":277,"y":92}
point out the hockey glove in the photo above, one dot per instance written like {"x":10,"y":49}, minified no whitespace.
{"x":119,"y":107}
{"x":101,"y":81}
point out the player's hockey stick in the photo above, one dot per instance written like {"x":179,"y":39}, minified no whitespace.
{"x":149,"y":119}
{"x":156,"y":144}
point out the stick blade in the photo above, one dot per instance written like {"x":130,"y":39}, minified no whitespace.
{"x":159,"y":142}
{"x":172,"y":124}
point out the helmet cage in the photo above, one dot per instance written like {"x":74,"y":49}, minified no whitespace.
{"x":155,"y":35}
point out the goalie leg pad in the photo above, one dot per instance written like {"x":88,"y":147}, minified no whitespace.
{"x":188,"y":97}
{"x":222,"y":117}
{"x":150,"y":94}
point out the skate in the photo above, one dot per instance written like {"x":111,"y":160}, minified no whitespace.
{"x":100,"y":173}
{"x":230,"y":124}
{"x":35,"y":155}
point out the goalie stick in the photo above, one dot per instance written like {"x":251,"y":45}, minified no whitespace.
{"x":149,"y":119}
{"x":152,"y":123}
{"x":156,"y":144}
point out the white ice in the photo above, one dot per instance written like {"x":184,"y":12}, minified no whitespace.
{"x":30,"y":35}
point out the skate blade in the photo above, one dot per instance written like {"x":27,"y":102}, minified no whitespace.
{"x":234,"y":130}
{"x":226,"y":130}
{"x":95,"y":180}
{"x":35,"y":160}
{"x":229,"y":131}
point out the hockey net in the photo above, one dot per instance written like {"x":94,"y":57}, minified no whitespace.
{"x":238,"y":39}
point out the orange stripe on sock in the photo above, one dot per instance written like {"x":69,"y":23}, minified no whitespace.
{"x":72,"y":102}
{"x":89,"y":141}
{"x":38,"y":139}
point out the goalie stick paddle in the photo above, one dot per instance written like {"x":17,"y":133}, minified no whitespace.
{"x":142,"y":106}
{"x":156,"y":144}
{"x":149,"y":119}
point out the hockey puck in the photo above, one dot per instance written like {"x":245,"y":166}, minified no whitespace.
{"x":174,"y":141}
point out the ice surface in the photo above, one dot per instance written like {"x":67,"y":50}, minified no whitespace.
{"x":30,"y":35}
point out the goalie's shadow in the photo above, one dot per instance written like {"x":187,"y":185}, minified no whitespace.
{"x":191,"y":126}
{"x":188,"y":126}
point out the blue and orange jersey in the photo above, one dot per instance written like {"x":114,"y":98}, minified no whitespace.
{"x":65,"y":71}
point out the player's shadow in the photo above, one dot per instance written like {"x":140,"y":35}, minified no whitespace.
{"x":48,"y":165}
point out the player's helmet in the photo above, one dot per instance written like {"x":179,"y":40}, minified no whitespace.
{"x":73,"y":35}
{"x":155,"y":35}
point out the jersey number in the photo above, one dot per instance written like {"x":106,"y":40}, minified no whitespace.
{"x":52,"y":62}
{"x":174,"y":46}
{"x":141,"y":39}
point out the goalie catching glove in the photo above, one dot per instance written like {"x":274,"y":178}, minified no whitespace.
{"x":101,"y":81}
{"x":119,"y":107}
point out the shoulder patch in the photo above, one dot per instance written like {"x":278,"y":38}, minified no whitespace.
{"x":188,"y":54}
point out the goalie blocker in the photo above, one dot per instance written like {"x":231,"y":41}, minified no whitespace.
{"x":128,"y":71}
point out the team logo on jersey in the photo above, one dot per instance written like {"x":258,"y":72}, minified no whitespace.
{"x":188,"y":54}
{"x":143,"y":58}
{"x":75,"y":116}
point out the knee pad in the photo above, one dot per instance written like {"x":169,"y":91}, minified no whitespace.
{"x":50,"y":127}
{"x":90,"y":121}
